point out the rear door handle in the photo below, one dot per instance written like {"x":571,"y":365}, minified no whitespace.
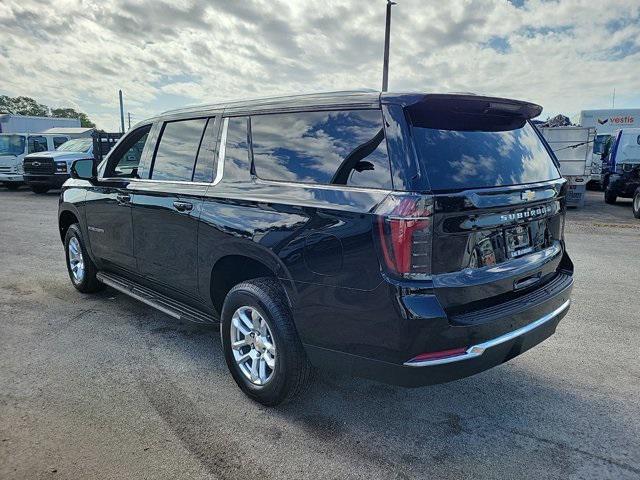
{"x":123,"y":198}
{"x":183,"y":206}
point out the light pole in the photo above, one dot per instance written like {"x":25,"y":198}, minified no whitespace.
{"x":121,"y":111}
{"x":387,"y":32}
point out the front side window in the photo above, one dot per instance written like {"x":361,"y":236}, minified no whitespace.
{"x":12,"y":145}
{"x":334,"y":147}
{"x":177,"y":149}
{"x":126,"y":159}
{"x":37,"y":144}
{"x":57,"y":141}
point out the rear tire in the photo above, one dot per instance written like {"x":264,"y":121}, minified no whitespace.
{"x":610,"y":197}
{"x":636,"y":203}
{"x":12,"y":186}
{"x":39,"y":189}
{"x":82,"y":270}
{"x":290,"y":374}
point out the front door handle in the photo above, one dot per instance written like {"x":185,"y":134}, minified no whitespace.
{"x":123,"y":198}
{"x":183,"y":206}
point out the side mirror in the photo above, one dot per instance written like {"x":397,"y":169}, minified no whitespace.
{"x":84,"y":169}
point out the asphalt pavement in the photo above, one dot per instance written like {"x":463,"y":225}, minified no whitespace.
{"x":102,"y":386}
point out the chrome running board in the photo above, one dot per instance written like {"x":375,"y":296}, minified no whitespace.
{"x":171,"y":307}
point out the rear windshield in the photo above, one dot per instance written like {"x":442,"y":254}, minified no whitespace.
{"x":476,"y":159}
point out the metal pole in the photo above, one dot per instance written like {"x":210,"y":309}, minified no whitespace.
{"x":387,"y":33}
{"x":613,"y":100}
{"x":129,"y":116}
{"x":121,"y":112}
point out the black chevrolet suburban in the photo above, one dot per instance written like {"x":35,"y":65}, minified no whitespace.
{"x":408,"y":238}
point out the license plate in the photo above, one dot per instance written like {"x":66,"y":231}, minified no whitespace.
{"x":518,"y":241}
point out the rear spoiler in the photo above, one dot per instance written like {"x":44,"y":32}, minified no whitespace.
{"x":470,"y":112}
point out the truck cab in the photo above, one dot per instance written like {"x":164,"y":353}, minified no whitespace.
{"x":47,"y":170}
{"x":15,"y":146}
{"x":623,"y":172}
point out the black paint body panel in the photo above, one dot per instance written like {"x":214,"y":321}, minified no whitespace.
{"x":319,"y":241}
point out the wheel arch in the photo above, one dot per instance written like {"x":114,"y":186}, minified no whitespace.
{"x":232,"y":269}
{"x":65,"y":220}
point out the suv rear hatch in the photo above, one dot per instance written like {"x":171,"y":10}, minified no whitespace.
{"x":487,"y":226}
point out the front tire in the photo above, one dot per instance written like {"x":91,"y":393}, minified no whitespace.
{"x":12,"y":186}
{"x":39,"y":189}
{"x":261,"y":345}
{"x":610,"y":197}
{"x":82,"y":270}
{"x":636,"y":203}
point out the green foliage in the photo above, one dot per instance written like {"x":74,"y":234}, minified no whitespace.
{"x":28,"y":106}
{"x":71,"y":113}
{"x":23,"y":106}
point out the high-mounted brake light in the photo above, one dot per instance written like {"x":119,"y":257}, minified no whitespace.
{"x":405,"y":233}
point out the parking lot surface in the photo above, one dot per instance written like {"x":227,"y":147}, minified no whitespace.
{"x":103,"y":386}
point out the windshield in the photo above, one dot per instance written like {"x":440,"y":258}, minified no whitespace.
{"x":457,"y":159}
{"x":12,"y":144}
{"x":600,"y":143}
{"x":76,"y":145}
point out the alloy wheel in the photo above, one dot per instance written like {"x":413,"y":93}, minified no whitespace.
{"x":76,"y":261}
{"x":254,"y":349}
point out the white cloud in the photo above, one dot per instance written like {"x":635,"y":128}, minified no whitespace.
{"x":566,"y":55}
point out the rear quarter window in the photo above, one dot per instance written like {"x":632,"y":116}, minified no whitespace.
{"x":477,"y":159}
{"x":335,"y":147}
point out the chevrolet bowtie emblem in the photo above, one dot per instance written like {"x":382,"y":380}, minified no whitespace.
{"x":528,"y":195}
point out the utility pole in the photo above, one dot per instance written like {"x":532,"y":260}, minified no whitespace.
{"x":129,"y":116}
{"x":613,"y":100}
{"x":121,"y":112}
{"x":387,"y":34}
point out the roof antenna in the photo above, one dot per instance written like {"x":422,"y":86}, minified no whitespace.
{"x":385,"y":65}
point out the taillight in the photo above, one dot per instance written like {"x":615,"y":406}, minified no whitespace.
{"x":404,"y":226}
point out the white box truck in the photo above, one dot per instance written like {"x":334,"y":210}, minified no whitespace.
{"x":10,"y":123}
{"x":606,"y":122}
{"x":573,"y":148}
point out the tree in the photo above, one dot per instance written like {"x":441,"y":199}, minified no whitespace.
{"x":22,"y":106}
{"x":28,"y":106}
{"x":71,"y":113}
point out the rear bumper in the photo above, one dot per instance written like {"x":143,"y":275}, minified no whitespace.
{"x":52,"y":180}
{"x":488,"y":340}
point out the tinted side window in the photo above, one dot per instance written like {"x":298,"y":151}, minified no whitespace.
{"x":176,"y":152}
{"x":57,"y":141}
{"x":207,"y":154}
{"x":37,"y":144}
{"x":125,"y":161}
{"x":336,"y":147}
{"x":236,"y":158}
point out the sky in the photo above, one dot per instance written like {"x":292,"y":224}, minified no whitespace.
{"x":565,"y":55}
